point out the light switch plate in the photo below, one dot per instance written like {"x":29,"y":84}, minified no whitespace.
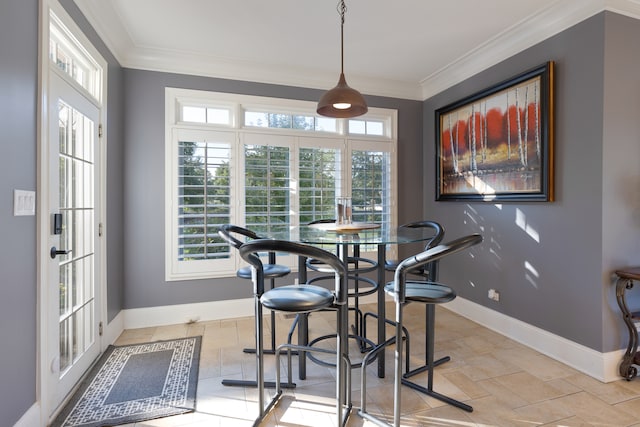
{"x":24,"y":202}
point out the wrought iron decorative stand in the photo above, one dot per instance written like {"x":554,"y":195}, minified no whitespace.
{"x":631,"y":358}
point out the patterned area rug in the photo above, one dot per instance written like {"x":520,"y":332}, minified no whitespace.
{"x":136,"y":383}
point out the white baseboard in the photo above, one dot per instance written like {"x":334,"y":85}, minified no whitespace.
{"x":31,"y":417}
{"x":113,"y":329}
{"x":601,"y":366}
{"x":185,"y":313}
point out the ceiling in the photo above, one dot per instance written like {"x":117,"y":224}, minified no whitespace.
{"x":400,"y":48}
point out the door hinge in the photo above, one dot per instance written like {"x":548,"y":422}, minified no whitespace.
{"x":100,"y":230}
{"x":100,"y":328}
{"x":100,"y":130}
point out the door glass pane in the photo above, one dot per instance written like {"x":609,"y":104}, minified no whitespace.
{"x":76,"y":173}
{"x":65,"y":356}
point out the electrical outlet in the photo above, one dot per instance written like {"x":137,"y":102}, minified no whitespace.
{"x":494,"y":295}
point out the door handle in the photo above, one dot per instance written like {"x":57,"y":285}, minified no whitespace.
{"x":55,"y":252}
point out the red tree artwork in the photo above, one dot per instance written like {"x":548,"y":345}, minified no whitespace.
{"x":493,"y":144}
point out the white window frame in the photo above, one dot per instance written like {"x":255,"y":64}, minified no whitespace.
{"x":238,"y":134}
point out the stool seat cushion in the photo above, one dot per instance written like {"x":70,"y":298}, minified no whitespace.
{"x":425,"y":292}
{"x":297,"y":298}
{"x":270,"y":271}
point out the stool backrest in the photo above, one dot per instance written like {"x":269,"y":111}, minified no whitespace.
{"x":249,"y":252}
{"x":438,"y":231}
{"x":431,"y":269}
{"x":430,"y":255}
{"x":228,"y":232}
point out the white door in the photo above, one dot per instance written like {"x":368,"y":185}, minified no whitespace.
{"x":73,"y":264}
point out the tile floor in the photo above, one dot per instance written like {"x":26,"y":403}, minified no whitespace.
{"x":507,"y":383}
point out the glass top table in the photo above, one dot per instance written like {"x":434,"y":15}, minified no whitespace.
{"x":357,"y":233}
{"x":323,"y":234}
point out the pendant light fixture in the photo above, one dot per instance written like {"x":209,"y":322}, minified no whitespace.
{"x":342,"y":101}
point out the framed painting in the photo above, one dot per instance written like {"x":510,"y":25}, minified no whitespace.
{"x":497,"y":145}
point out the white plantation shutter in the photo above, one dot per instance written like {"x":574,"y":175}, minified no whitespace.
{"x":204,"y":199}
{"x":372,"y":184}
{"x":267,"y":181}
{"x":320,"y":180}
{"x":202,"y":169}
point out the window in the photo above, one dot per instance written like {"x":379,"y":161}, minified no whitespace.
{"x":366,"y":127}
{"x":265,"y":163}
{"x":72,"y":59}
{"x":204,"y":198}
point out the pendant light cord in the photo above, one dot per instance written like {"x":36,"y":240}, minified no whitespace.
{"x":342,"y":8}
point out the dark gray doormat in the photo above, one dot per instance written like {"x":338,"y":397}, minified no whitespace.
{"x":136,"y":383}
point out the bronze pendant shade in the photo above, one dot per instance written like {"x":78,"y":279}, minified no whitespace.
{"x":342,"y":101}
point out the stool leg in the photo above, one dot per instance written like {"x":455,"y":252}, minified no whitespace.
{"x":397,"y":380}
{"x":341,"y":351}
{"x":273,"y":321}
{"x":271,"y":350}
{"x":426,"y":365}
{"x":431,"y":316}
{"x":259,"y":356}
{"x":265,"y":384}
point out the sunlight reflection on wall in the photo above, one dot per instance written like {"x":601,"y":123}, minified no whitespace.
{"x":521,"y":221}
{"x":531,"y":274}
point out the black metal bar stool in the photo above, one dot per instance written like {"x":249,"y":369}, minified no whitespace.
{"x":272,"y":271}
{"x":429,"y":293}
{"x":426,"y":272}
{"x":301,"y":299}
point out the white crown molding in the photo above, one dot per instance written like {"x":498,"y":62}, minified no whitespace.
{"x":522,"y":35}
{"x":105,"y":20}
{"x":218,"y":67}
{"x":517,"y":38}
{"x":630,"y":8}
{"x":558,"y":17}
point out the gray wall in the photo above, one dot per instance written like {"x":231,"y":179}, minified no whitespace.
{"x":144,"y":176}
{"x":621,"y":167}
{"x":18,"y":263}
{"x":586,"y":233}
